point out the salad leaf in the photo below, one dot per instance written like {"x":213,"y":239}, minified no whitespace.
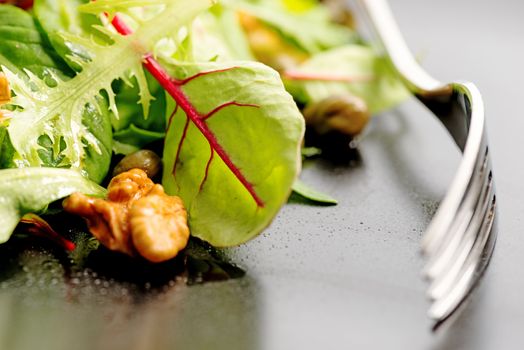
{"x":63,"y":16}
{"x":22,"y":46}
{"x":137,"y":137}
{"x":218,"y":36}
{"x":234,"y":177}
{"x":50,"y":149}
{"x":311,"y":28}
{"x":355,"y":69}
{"x":133,"y":127}
{"x":6,"y":149}
{"x":312,"y":194}
{"x":30,"y":190}
{"x":57,"y":16}
{"x":58,"y":111}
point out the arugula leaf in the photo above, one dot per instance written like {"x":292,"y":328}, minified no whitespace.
{"x":58,"y":111}
{"x":367,"y":75}
{"x":251,"y":119}
{"x":309,"y":193}
{"x":311,"y":29}
{"x":30,"y":190}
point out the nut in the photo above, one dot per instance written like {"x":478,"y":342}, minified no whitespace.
{"x":158,"y":225}
{"x":137,"y":217}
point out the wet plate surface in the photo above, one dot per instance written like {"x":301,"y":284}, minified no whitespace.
{"x":346,"y":276}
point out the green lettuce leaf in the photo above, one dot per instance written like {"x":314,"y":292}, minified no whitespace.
{"x":30,"y":190}
{"x":368,"y":76}
{"x":256,"y":123}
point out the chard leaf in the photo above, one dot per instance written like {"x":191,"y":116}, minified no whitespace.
{"x":234,"y":171}
{"x":30,"y":190}
{"x":311,"y":194}
{"x":58,"y":111}
{"x":311,"y":29}
{"x":355,"y":69}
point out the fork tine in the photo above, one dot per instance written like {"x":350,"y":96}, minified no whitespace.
{"x":443,"y":281}
{"x":439,"y":259}
{"x":441,"y":228}
{"x":474,"y":266}
{"x":460,"y":239}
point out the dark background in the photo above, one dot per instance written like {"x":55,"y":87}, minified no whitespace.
{"x":334,"y":277}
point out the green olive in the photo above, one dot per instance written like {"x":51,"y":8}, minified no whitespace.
{"x":144,"y":159}
{"x":347,"y":114}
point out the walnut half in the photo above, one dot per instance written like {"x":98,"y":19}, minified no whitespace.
{"x":138,"y":217}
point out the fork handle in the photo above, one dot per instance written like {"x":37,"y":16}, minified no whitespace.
{"x":449,"y":102}
{"x":415,"y":78}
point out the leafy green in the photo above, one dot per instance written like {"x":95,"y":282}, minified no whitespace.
{"x":312,"y":194}
{"x":22,"y":46}
{"x":63,"y":16}
{"x":59,"y":111}
{"x":58,"y":16}
{"x":374,"y":79}
{"x":259,"y":127}
{"x":6,"y":149}
{"x":311,"y":28}
{"x":97,"y":120}
{"x":136,"y":137}
{"x":133,"y":127}
{"x":218,"y":36}
{"x":50,"y":147}
{"x":30,"y":190}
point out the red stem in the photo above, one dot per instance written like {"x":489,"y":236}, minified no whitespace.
{"x":23,"y":4}
{"x":174,"y":88}
{"x":40,"y":227}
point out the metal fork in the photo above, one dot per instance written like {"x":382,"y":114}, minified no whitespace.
{"x":459,"y":241}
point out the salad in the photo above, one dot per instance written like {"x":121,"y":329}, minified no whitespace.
{"x":153,"y":121}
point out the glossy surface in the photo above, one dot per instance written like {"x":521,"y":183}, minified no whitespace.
{"x":330,"y":277}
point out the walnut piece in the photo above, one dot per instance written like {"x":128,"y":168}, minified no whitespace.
{"x":138,"y":217}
